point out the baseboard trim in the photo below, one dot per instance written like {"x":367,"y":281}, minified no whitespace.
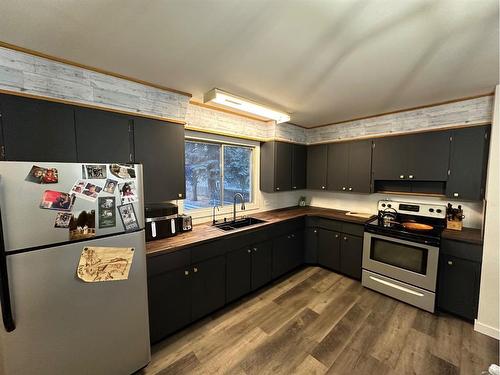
{"x":486,"y":329}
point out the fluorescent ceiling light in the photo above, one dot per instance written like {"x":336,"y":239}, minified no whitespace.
{"x":233,"y":101}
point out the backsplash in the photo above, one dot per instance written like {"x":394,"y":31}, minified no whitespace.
{"x":473,"y":211}
{"x":29,"y":74}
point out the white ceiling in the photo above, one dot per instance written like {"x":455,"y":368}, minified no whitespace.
{"x":322,"y":60}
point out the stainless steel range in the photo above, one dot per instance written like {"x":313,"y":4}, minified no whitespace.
{"x":401,"y":251}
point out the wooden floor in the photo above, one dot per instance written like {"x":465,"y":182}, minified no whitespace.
{"x":319,"y":322}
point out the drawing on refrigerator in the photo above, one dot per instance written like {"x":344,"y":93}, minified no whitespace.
{"x":105,"y":263}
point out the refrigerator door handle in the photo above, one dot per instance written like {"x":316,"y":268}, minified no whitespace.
{"x":8,"y":319}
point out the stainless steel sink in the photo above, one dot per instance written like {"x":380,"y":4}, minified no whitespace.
{"x":241,"y":223}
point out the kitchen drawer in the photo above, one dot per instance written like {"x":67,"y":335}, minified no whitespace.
{"x":157,"y":265}
{"x":330,"y":224}
{"x":287,"y":227}
{"x":462,"y":250}
{"x":210,"y":250}
{"x":354,"y":229}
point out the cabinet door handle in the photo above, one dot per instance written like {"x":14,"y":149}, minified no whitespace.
{"x":343,"y":187}
{"x":254,"y":249}
{"x":450,"y":263}
{"x":336,"y":236}
{"x":315,"y":231}
{"x":180,"y":195}
{"x":195,"y":269}
{"x":350,"y":189}
{"x":293,"y":235}
{"x":294,"y":187}
{"x":401,"y":176}
{"x":322,"y":187}
{"x":186,"y":272}
{"x":277,"y":189}
{"x":410,"y":177}
{"x":345,"y":238}
{"x":455,"y":194}
{"x":249,"y":251}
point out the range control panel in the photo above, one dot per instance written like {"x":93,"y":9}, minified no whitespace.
{"x":419,"y":209}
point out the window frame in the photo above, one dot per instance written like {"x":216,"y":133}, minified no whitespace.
{"x":225,"y":209}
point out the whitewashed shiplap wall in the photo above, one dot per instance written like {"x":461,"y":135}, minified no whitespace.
{"x":466,"y":112}
{"x":25,"y":73}
{"x":201,"y":118}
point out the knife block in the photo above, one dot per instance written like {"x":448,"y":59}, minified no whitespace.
{"x":454,"y":224}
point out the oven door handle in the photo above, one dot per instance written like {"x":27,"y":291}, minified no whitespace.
{"x":395,"y":286}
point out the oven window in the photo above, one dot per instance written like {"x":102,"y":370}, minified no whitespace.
{"x":410,"y":258}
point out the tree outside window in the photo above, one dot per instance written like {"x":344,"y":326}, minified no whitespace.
{"x":215,"y":172}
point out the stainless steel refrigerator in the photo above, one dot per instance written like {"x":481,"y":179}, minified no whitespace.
{"x":54,"y":322}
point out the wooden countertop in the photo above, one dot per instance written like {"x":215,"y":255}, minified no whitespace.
{"x":469,"y":235}
{"x":206,"y":232}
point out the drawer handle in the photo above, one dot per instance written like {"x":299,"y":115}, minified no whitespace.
{"x":186,"y":273}
{"x":195,"y":269}
{"x":249,"y":251}
{"x":336,"y":236}
{"x":396,"y":286}
{"x":450,"y":263}
{"x":254,"y":249}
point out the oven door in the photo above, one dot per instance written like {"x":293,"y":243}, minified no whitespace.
{"x":410,"y":262}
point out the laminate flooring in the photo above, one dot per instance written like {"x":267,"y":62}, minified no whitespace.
{"x":319,"y":322}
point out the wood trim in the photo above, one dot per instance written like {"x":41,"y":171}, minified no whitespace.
{"x":405,"y":110}
{"x":84,"y":105}
{"x":83,"y":66}
{"x":215,"y":108}
{"x":395,"y":134}
{"x":225,"y":134}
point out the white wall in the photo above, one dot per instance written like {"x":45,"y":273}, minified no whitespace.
{"x":488,"y":320}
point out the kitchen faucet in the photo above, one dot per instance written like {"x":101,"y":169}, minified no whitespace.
{"x":234,"y":204}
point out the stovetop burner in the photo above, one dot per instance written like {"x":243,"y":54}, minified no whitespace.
{"x":408,"y":212}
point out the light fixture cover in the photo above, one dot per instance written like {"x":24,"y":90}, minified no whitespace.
{"x":245,"y":105}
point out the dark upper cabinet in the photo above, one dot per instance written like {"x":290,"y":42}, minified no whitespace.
{"x":351,"y":255}
{"x":103,"y":137}
{"x":329,"y":249}
{"x":282,"y":166}
{"x":208,"y":285}
{"x":159,"y":147}
{"x":468,"y":162}
{"x":299,"y":166}
{"x":261,"y":264}
{"x":349,"y":166}
{"x":169,"y":297}
{"x":428,"y":156}
{"x":238,"y":273}
{"x":37,"y":130}
{"x":317,"y":156}
{"x":338,"y":166}
{"x":389,"y":158}
{"x":418,"y":157}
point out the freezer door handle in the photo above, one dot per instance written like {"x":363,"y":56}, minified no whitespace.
{"x":8,"y":319}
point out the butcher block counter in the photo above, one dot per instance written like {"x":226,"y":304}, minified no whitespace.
{"x":207,"y":232}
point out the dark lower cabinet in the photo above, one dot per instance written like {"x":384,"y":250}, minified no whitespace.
{"x":37,"y":130}
{"x":329,"y":249}
{"x":458,"y":288}
{"x":287,"y":253}
{"x":262,"y":255}
{"x":208,"y":286}
{"x":351,"y":255}
{"x":159,"y":147}
{"x":311,"y":245}
{"x":103,"y":137}
{"x":239,"y":273}
{"x":169,"y":296}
